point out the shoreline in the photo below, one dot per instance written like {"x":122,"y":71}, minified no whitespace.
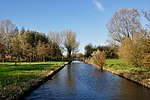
{"x":39,"y":83}
{"x":26,"y":91}
{"x":126,"y":74}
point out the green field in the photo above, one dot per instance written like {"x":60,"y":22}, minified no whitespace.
{"x":21,"y":77}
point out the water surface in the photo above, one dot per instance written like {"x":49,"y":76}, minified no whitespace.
{"x":79,"y":81}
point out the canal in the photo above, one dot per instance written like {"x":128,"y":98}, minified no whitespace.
{"x":80,"y":81}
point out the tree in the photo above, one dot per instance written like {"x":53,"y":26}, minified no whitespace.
{"x":110,"y":51}
{"x":147,"y":16}
{"x":88,"y":50}
{"x":54,"y":51}
{"x":70,"y":42}
{"x":28,"y":51}
{"x":41,"y":50}
{"x":124,"y":23}
{"x":1,"y":46}
{"x":136,"y":52}
{"x":33,"y":38}
{"x":22,"y":31}
{"x":16,"y":48}
{"x":54,"y":38}
{"x":7,"y":30}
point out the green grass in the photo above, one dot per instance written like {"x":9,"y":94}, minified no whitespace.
{"x":11,"y":74}
{"x":113,"y":61}
{"x":117,"y":64}
{"x":23,"y":74}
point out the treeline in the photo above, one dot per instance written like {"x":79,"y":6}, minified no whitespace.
{"x":27,"y":45}
{"x":111,"y":52}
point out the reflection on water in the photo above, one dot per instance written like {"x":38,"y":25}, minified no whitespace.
{"x":79,"y":81}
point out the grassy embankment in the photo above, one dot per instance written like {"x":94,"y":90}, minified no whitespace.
{"x":137,"y":74}
{"x":14,"y":80}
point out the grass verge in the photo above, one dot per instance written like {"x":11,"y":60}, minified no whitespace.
{"x":14,"y":80}
{"x":136,"y":74}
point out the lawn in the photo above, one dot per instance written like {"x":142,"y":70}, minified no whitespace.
{"x":15,"y":79}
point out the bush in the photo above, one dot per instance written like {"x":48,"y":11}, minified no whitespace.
{"x":130,"y":52}
{"x":136,"y":52}
{"x":98,"y":58}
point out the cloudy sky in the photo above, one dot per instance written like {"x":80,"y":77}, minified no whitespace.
{"x":88,"y":18}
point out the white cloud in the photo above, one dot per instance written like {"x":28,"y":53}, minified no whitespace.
{"x":98,"y":5}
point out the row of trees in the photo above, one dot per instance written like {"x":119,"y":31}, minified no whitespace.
{"x":133,"y":40}
{"x":27,"y":45}
{"x":110,"y":51}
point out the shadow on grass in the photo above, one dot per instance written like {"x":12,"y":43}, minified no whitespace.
{"x":26,"y":67}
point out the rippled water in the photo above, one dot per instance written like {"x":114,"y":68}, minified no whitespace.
{"x":79,"y":81}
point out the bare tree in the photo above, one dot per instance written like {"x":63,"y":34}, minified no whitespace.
{"x":147,"y":16}
{"x":124,"y":24}
{"x":54,"y":38}
{"x":7,"y":30}
{"x":70,"y":42}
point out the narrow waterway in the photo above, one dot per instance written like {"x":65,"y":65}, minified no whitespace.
{"x":79,"y":81}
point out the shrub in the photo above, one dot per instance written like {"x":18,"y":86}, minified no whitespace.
{"x":98,"y":58}
{"x":131,"y":52}
{"x":136,"y":52}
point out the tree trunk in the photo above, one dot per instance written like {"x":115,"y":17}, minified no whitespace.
{"x":3,"y":58}
{"x":43,"y":58}
{"x":15,"y":62}
{"x":69,"y":54}
{"x":30,"y":59}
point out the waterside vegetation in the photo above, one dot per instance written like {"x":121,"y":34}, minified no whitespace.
{"x":137,"y":74}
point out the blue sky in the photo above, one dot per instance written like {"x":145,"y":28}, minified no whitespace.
{"x":88,"y":18}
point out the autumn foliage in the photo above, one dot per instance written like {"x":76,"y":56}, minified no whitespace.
{"x":98,"y":58}
{"x":132,"y":39}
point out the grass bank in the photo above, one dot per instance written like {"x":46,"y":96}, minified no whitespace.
{"x":15,"y":80}
{"x":136,"y":74}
